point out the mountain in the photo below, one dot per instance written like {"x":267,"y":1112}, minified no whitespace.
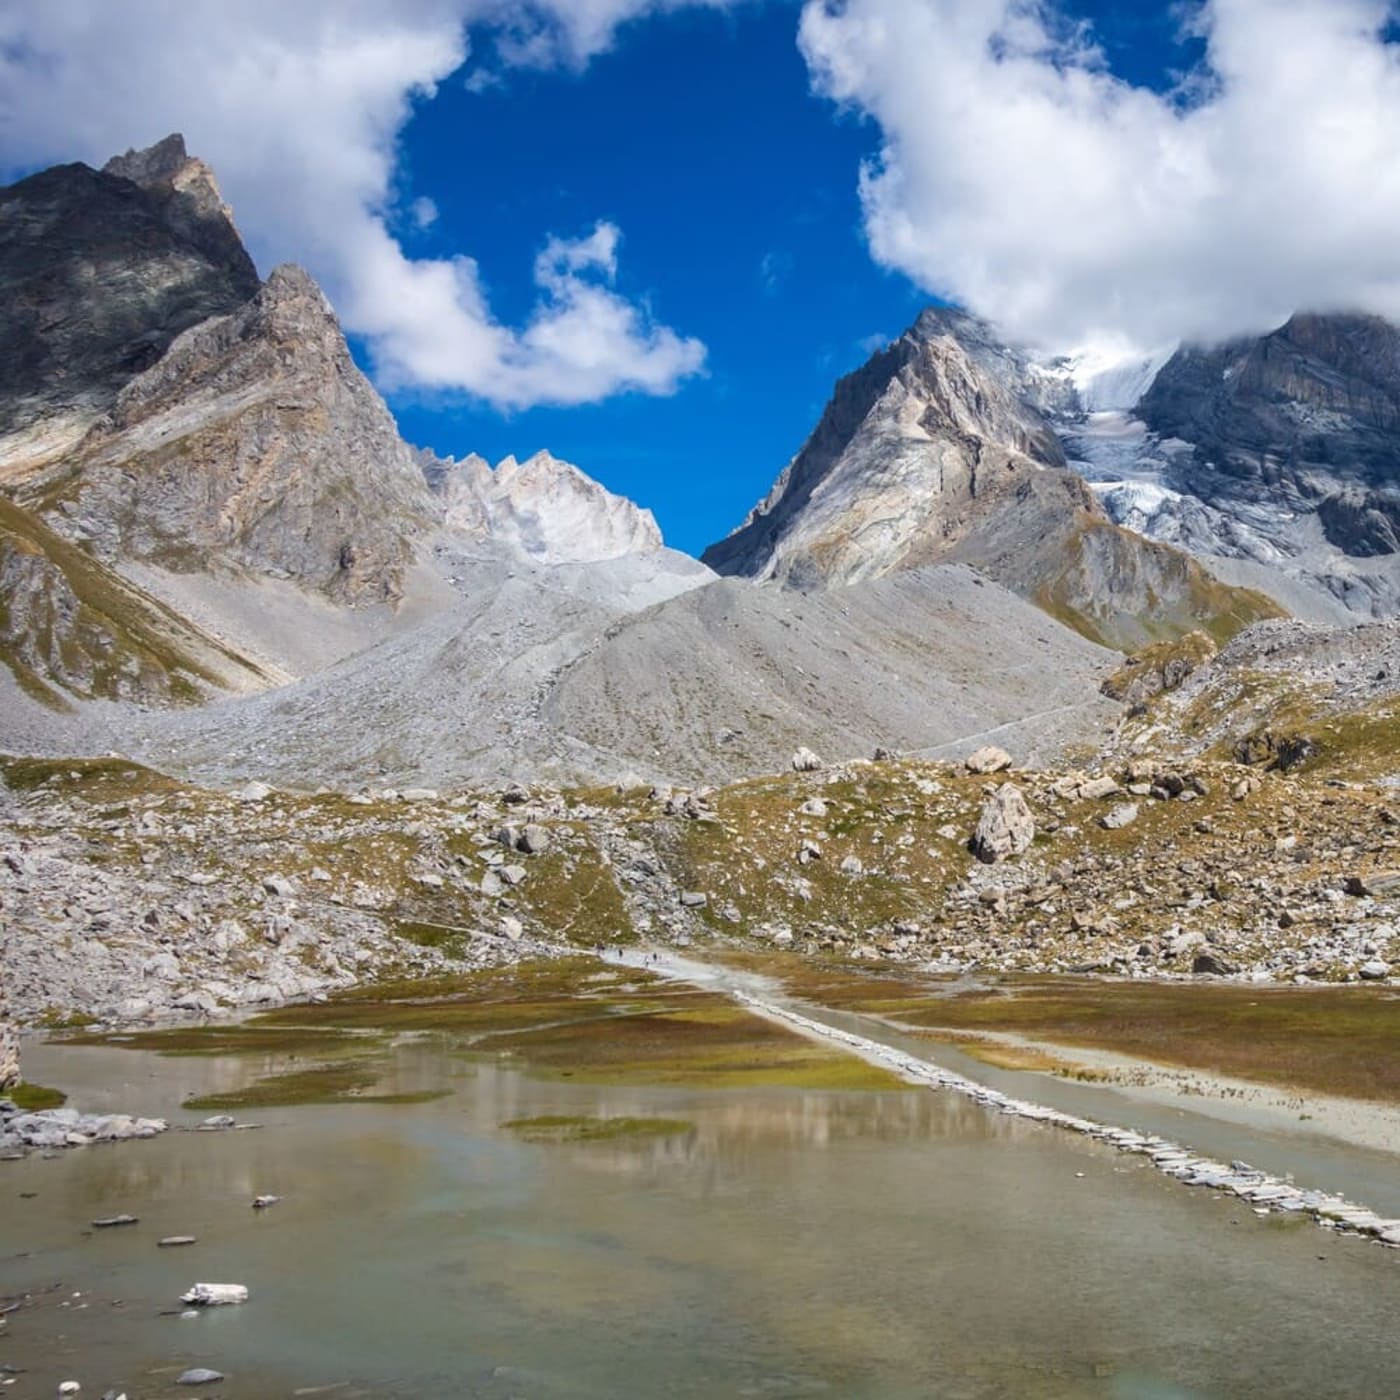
{"x":176,"y":437}
{"x":208,"y":500}
{"x":945,"y":447}
{"x":545,"y":508}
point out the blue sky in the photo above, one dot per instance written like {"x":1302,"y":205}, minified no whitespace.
{"x":734,"y":187}
{"x":699,"y":134}
{"x":684,"y":219}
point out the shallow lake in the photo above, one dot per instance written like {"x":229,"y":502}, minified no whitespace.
{"x":784,"y":1243}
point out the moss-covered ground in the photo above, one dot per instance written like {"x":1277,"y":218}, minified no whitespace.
{"x":1332,"y":1040}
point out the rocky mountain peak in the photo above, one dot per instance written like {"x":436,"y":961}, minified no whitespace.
{"x":944,"y":447}
{"x":927,"y":426}
{"x":157,"y":164}
{"x":544,"y":507}
{"x":100,"y":271}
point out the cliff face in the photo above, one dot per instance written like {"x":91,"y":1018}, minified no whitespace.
{"x":944,"y":448}
{"x":253,"y":443}
{"x":1307,"y":417}
{"x":100,"y":271}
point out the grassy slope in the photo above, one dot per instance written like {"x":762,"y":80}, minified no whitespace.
{"x":118,"y":631}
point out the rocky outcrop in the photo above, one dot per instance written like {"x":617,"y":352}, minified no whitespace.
{"x":100,"y":271}
{"x":544,"y":508}
{"x":942,"y":448}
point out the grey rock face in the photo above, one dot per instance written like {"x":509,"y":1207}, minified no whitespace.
{"x":1308,"y":416}
{"x":101,"y":270}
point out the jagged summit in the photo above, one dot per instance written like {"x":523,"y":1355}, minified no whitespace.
{"x":546,"y":508}
{"x":156,"y":164}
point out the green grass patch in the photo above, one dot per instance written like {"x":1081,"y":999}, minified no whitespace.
{"x":324,"y":1084}
{"x":34,"y":1098}
{"x":707,"y":1042}
{"x":249,"y":1038}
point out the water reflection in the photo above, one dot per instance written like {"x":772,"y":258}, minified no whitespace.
{"x":785,"y":1243}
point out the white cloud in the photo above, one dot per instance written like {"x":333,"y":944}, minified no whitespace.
{"x":1020,"y":177}
{"x":298,"y":107}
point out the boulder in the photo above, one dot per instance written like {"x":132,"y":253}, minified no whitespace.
{"x":1381,"y":884}
{"x":1374,"y":971}
{"x":989,"y":759}
{"x":1125,"y":814}
{"x":1005,"y":828}
{"x":1212,"y":964}
{"x":534,"y":840}
{"x":814,"y":807}
{"x":805,"y":761}
{"x":1094,"y":789}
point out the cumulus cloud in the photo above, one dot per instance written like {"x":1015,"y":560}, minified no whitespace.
{"x":299,"y":107}
{"x":1020,"y":177}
